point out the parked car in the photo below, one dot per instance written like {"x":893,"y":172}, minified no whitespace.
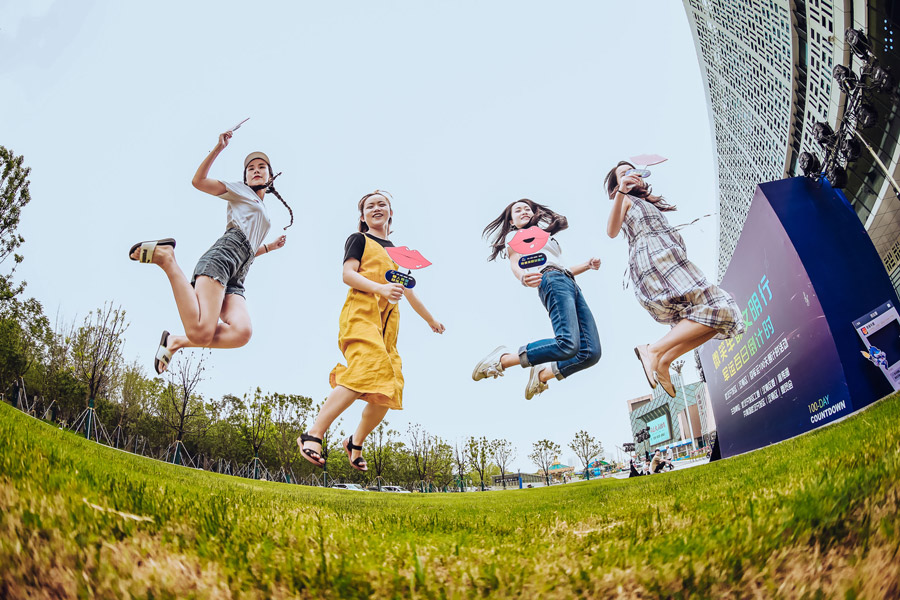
{"x":395,"y":489}
{"x":349,"y":486}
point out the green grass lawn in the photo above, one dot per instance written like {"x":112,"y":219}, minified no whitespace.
{"x":813,"y":517}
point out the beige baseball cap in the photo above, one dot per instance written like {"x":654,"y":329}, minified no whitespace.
{"x":255,"y":155}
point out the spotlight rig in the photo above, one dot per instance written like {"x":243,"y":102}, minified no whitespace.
{"x":843,"y":146}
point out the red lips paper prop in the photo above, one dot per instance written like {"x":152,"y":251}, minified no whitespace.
{"x":647,"y":160}
{"x":406,"y":258}
{"x":528,"y":241}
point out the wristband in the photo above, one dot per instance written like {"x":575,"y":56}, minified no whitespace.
{"x":266,"y":246}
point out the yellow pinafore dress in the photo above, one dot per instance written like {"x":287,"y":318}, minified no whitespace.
{"x":369,"y":326}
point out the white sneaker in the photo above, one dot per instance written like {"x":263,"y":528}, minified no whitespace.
{"x":535,"y":385}
{"x":489,"y":366}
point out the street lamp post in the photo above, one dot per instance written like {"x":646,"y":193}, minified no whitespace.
{"x":678,"y":365}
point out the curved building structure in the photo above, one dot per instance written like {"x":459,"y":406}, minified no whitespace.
{"x":767,"y":68}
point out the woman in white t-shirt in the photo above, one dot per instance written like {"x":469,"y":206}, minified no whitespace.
{"x":216,"y":290}
{"x":576,"y":345}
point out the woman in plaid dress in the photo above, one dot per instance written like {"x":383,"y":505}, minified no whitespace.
{"x":672,"y":289}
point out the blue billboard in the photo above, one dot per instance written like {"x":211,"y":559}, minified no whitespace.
{"x":802,"y":270}
{"x":659,"y":430}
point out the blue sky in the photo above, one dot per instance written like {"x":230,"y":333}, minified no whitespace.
{"x":456,"y":108}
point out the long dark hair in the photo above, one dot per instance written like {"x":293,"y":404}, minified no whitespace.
{"x":644,"y":193}
{"x":544,"y":218}
{"x":270,"y":189}
{"x":362,"y":202}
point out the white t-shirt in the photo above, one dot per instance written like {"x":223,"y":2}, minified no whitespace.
{"x":552,"y":249}
{"x":247,"y":212}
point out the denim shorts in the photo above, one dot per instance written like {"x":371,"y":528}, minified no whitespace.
{"x":227,"y":261}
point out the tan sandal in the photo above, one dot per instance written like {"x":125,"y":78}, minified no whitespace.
{"x":665,"y":383}
{"x":643,"y":355}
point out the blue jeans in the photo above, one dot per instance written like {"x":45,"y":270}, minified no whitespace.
{"x":577,"y":343}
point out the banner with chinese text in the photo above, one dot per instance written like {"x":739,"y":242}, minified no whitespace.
{"x":783,"y":376}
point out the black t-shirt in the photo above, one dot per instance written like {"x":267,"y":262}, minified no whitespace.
{"x":356,"y":245}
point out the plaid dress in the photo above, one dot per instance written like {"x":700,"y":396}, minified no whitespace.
{"x":665,"y":282}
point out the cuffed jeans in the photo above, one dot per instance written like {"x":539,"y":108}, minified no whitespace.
{"x":577,"y":343}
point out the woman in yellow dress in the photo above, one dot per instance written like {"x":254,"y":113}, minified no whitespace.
{"x":369,"y":324}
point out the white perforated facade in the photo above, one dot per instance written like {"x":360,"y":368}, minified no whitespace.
{"x":767,"y":71}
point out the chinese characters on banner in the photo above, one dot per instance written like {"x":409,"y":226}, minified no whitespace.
{"x":775,"y":380}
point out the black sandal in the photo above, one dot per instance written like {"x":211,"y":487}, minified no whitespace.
{"x":308,"y":453}
{"x":360,"y":463}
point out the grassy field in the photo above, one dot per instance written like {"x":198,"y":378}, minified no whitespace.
{"x":813,"y":517}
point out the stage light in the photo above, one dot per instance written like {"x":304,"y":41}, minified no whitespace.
{"x":867,"y":116}
{"x":850,"y":149}
{"x":881,"y":78}
{"x":823,"y":132}
{"x":809,"y":163}
{"x":857,"y":41}
{"x":846,"y":79}
{"x":837,"y":176}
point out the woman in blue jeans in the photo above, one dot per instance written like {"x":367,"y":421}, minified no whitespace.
{"x":576,"y":345}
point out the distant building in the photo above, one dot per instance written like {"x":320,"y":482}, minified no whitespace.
{"x":668,"y":419}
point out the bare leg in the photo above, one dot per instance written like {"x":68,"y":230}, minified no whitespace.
{"x":337,"y":402}
{"x":509,"y":360}
{"x":233,"y":332}
{"x":684,"y":337}
{"x":198,"y":308}
{"x":372,"y":415}
{"x":512,"y":360}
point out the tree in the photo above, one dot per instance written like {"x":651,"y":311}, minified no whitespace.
{"x":24,"y":344}
{"x":478,"y":453}
{"x":441,"y":471}
{"x":543,"y":454}
{"x":289,"y":415}
{"x":503,"y":453}
{"x":135,"y":396}
{"x":586,"y":448}
{"x":421,"y":447}
{"x":97,"y":350}
{"x":14,"y":195}
{"x":55,"y":375}
{"x":179,"y":405}
{"x":254,"y":418}
{"x":380,"y":447}
{"x":13,"y":353}
{"x":461,"y":463}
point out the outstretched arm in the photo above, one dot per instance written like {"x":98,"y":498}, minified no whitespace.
{"x":269,"y":246}
{"x":593,"y":263}
{"x":526,"y":278}
{"x":420,"y":309}
{"x":201,"y":179}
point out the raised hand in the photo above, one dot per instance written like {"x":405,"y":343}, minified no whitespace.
{"x":629,"y":182}
{"x":223,"y":140}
